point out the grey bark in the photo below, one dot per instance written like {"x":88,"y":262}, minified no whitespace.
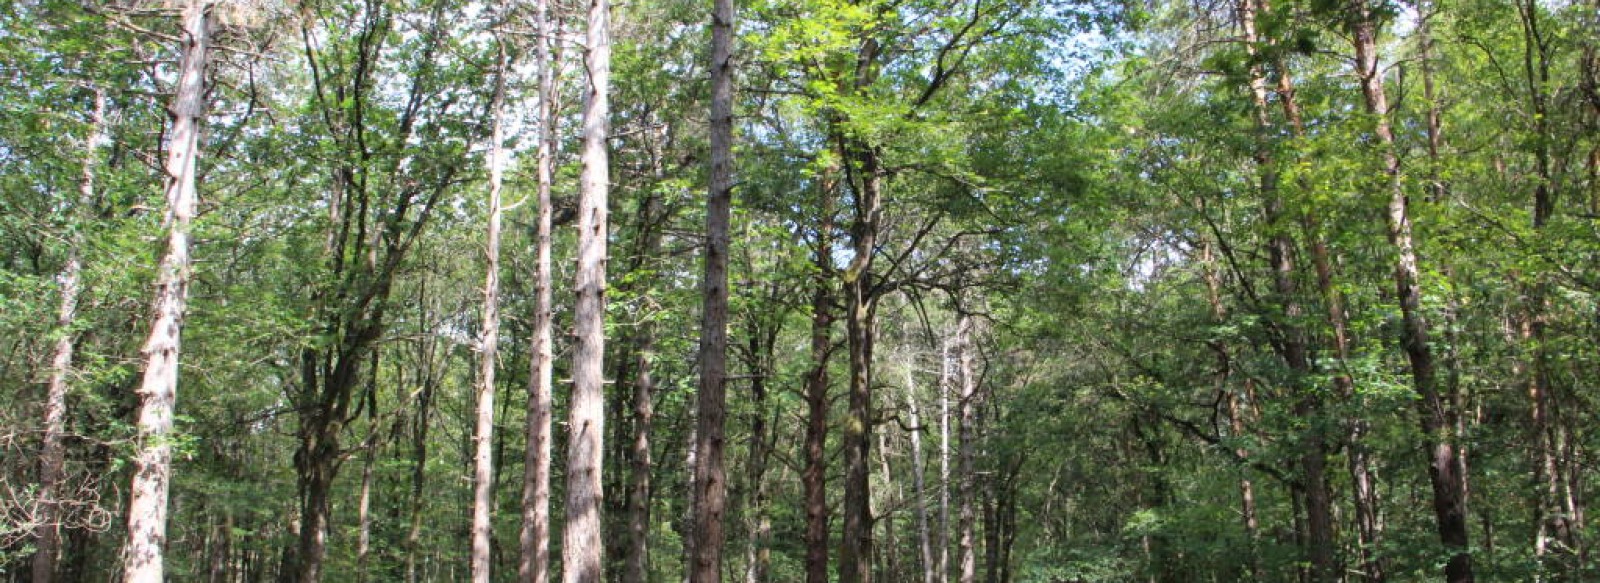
{"x":581,"y":544}
{"x":533,"y":565}
{"x":152,"y":466}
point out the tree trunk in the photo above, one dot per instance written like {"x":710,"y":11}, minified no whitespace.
{"x":419,"y":449}
{"x":946,"y":381}
{"x":816,"y":392}
{"x":489,"y":344}
{"x":364,"y":509}
{"x":581,"y":545}
{"x":966,"y":488}
{"x":710,"y":477}
{"x":918,"y":489}
{"x":52,"y":451}
{"x":1445,"y":471}
{"x":533,"y":565}
{"x":637,"y":561}
{"x":152,"y":465}
{"x":1291,"y":338}
{"x":861,"y":304}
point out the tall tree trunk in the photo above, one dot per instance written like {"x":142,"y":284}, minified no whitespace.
{"x":489,"y":344}
{"x":918,"y":489}
{"x":636,"y":563}
{"x":816,"y":439}
{"x":533,"y":565}
{"x":1552,"y":514}
{"x":946,"y":382}
{"x":710,"y":477}
{"x":52,"y":449}
{"x":1291,"y":341}
{"x":966,"y":487}
{"x":1436,"y":417}
{"x":419,"y":450}
{"x":364,"y":508}
{"x":855,"y":545}
{"x":581,"y":545}
{"x":636,"y":554}
{"x":152,"y":473}
{"x":762,"y":342}
{"x":419,"y":469}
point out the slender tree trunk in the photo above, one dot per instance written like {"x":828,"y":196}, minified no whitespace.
{"x":364,"y":508}
{"x":1445,"y":471}
{"x":489,"y":344}
{"x":419,"y":449}
{"x":581,"y":545}
{"x":52,"y":449}
{"x":710,"y":477}
{"x":946,"y":381}
{"x":966,"y":486}
{"x":152,"y":473}
{"x":637,"y":561}
{"x":762,"y":343}
{"x":534,"y":563}
{"x":1292,"y":343}
{"x":816,"y":439}
{"x":918,"y":489}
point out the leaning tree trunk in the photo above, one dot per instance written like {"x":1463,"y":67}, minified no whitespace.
{"x":483,"y":431}
{"x":581,"y":547}
{"x":152,"y":464}
{"x":710,"y":477}
{"x":52,"y":450}
{"x":534,"y":562}
{"x":1445,"y":471}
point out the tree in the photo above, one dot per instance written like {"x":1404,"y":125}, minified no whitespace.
{"x":534,"y":562}
{"x":147,"y":502}
{"x":581,"y":543}
{"x":710,"y":475}
{"x":489,"y":342}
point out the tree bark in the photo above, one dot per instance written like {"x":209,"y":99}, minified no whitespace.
{"x":52,"y":449}
{"x":152,"y":473}
{"x":918,"y":489}
{"x":710,"y":476}
{"x":946,"y":381}
{"x":814,"y":477}
{"x":966,"y":487}
{"x":1445,"y":471}
{"x":364,"y":508}
{"x":533,"y":565}
{"x":1291,"y":341}
{"x":581,"y":545}
{"x":489,"y":342}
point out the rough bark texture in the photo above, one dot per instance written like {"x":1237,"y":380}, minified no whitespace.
{"x":52,"y":450}
{"x":582,"y":548}
{"x":489,"y":344}
{"x":533,"y":564}
{"x":152,"y":464}
{"x":710,"y":476}
{"x":1436,"y":418}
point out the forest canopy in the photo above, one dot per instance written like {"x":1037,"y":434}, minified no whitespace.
{"x":814,"y":290}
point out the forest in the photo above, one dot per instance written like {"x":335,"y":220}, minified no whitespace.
{"x":932,"y":291}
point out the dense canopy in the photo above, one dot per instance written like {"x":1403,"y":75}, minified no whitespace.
{"x":811,"y":290}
